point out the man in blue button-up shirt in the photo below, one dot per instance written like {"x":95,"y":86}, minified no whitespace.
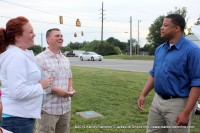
{"x":175,"y":77}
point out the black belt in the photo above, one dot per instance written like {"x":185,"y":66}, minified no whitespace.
{"x":167,"y":97}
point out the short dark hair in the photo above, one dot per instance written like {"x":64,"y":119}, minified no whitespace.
{"x":50,"y":30}
{"x":178,"y":20}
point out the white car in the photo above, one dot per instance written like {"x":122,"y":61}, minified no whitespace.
{"x":90,"y":56}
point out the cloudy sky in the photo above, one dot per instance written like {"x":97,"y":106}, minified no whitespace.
{"x":44,"y":14}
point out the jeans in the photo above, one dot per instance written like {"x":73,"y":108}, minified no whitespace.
{"x":18,"y":124}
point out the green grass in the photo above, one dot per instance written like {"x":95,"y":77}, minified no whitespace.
{"x":114,"y":94}
{"x":127,"y":57}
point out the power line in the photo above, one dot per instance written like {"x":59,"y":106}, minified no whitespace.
{"x":107,"y":31}
{"x":28,"y":7}
{"x":59,"y":15}
{"x":48,"y":22}
{"x":47,"y":12}
{"x":62,"y":24}
{"x":41,"y":10}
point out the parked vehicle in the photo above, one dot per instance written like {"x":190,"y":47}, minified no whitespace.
{"x":73,"y":53}
{"x":90,"y":56}
{"x":78,"y":52}
{"x":69,"y":54}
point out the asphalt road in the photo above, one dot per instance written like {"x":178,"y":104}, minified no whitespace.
{"x":126,"y":65}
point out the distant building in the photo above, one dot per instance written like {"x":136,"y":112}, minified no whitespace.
{"x":195,"y":37}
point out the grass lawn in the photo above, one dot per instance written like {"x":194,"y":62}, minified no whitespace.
{"x":127,"y":57}
{"x":113,"y":94}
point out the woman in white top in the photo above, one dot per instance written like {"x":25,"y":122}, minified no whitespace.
{"x":21,"y":78}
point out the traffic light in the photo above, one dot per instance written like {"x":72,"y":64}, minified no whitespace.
{"x":78,"y":23}
{"x":82,"y":33}
{"x":75,"y":35}
{"x":61,"y":19}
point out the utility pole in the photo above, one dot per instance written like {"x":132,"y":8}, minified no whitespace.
{"x":138,"y":47}
{"x":131,"y":46}
{"x":102,"y":24}
{"x":41,"y":42}
{"x":102,"y":18}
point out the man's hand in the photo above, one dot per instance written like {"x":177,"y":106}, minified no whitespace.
{"x":63,"y":93}
{"x":140,"y":103}
{"x":182,"y":119}
{"x":73,"y":92}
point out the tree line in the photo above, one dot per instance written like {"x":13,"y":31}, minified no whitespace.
{"x":113,"y":46}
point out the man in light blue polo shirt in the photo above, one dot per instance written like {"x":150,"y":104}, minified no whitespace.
{"x":175,"y":77}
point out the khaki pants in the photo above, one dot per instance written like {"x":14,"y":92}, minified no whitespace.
{"x":163,"y":113}
{"x":53,"y":123}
